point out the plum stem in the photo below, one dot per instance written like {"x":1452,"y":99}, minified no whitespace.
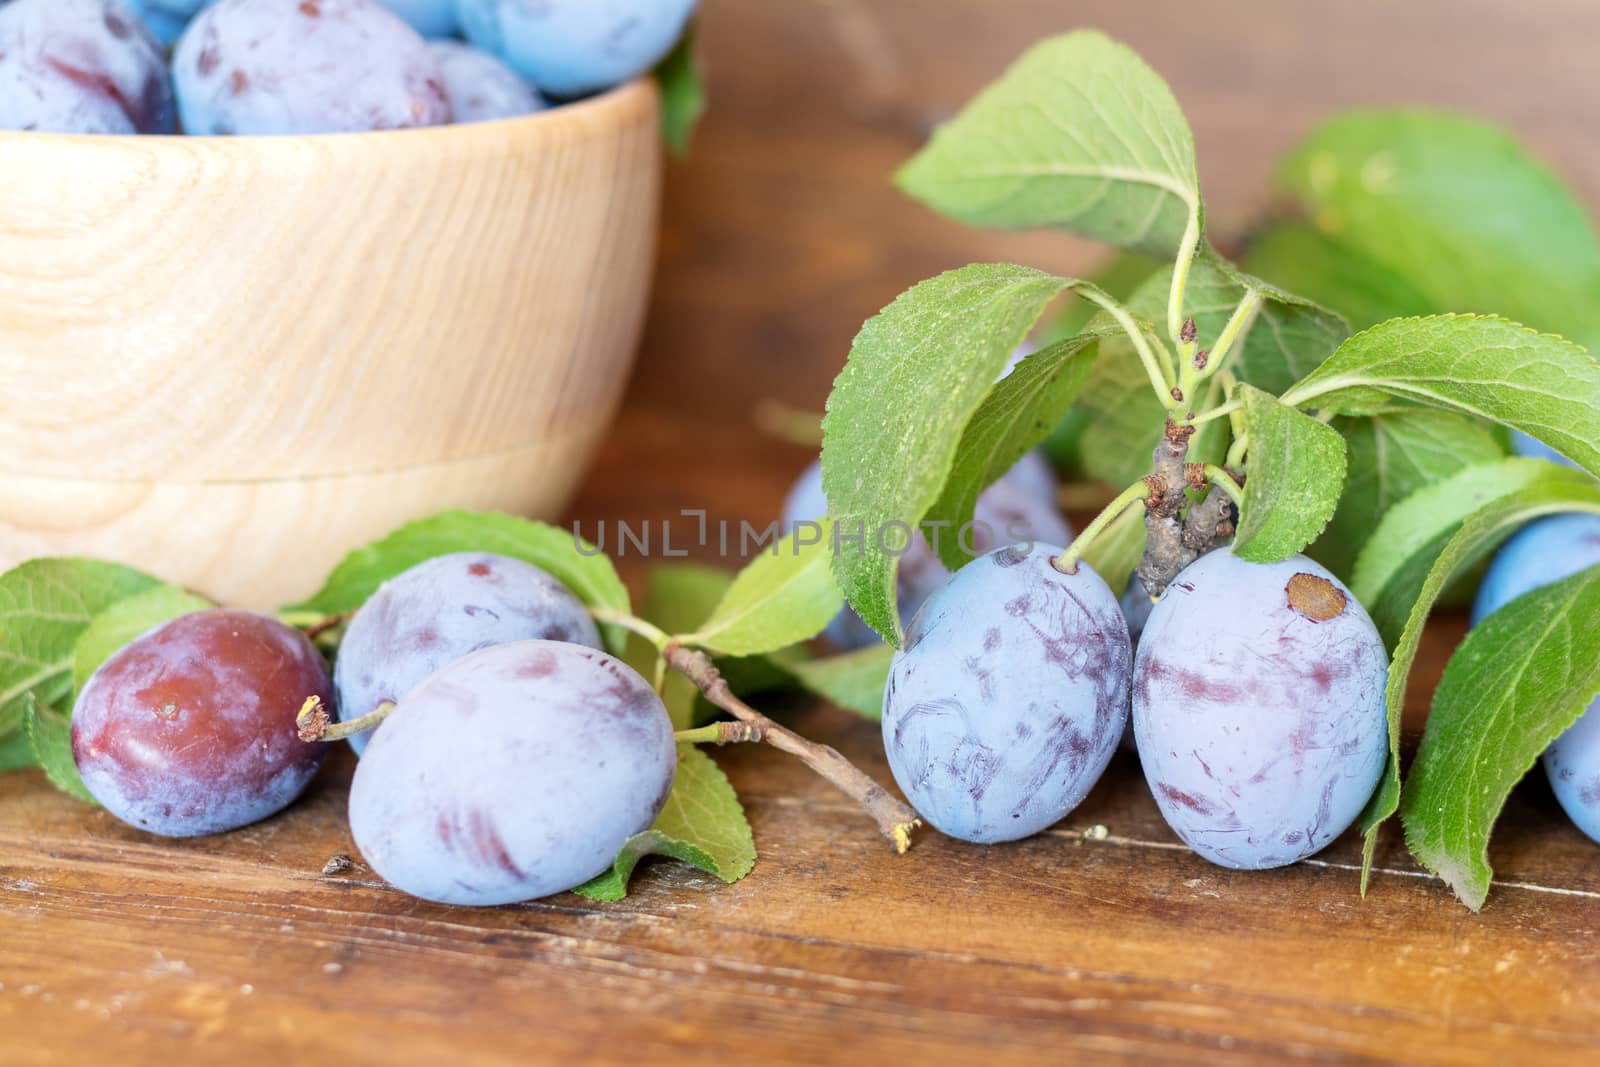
{"x":1158,"y":369}
{"x":1177,"y":325}
{"x":893,"y":816}
{"x":1067,"y":562}
{"x":314,"y":623}
{"x":721,"y":733}
{"x":649,"y":631}
{"x":1226,"y":481}
{"x":1218,"y":412}
{"x":313,"y":723}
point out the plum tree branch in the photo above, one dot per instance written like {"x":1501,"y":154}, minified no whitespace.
{"x":1165,"y":553}
{"x":894,"y":817}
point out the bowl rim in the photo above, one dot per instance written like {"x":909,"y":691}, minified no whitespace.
{"x":618,"y":99}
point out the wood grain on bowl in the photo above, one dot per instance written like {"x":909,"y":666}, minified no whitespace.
{"x":326,"y":335}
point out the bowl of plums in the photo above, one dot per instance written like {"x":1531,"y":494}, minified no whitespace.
{"x":279,"y":275}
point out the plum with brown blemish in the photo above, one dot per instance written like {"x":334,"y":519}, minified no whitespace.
{"x":81,"y":66}
{"x":1540,"y":553}
{"x":513,"y":773}
{"x":251,"y":67}
{"x":190,"y":729}
{"x":1258,"y":708}
{"x":440,"y":610}
{"x":1009,"y":697}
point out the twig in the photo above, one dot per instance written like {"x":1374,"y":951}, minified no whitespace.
{"x":893,"y":817}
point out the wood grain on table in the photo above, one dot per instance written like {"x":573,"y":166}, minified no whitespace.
{"x":1077,"y":946}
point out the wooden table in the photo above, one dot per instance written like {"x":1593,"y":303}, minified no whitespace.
{"x":1076,"y":946}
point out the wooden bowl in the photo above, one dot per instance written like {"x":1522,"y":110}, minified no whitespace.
{"x":228,"y":361}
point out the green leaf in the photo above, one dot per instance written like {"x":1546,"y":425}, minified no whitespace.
{"x":578,"y":565}
{"x":683,"y":93}
{"x":1297,"y":469}
{"x":1391,"y":457}
{"x":1016,"y":415}
{"x":1394,"y":562}
{"x":781,"y":597}
{"x":15,"y":751}
{"x":1458,"y":208}
{"x":702,"y":824}
{"x":49,"y":734}
{"x":44,"y":605}
{"x":853,"y":680}
{"x":1476,"y":365}
{"x":1553,"y":490}
{"x":125,"y":620}
{"x":1079,"y":134}
{"x":1288,"y":340}
{"x":1517,"y":682}
{"x":917,"y":372}
{"x":1307,"y":261}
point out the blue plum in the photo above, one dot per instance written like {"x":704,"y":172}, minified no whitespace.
{"x":480,"y":87}
{"x":1258,"y":707}
{"x":165,"y":23}
{"x":1523,"y":445}
{"x":431,"y":18}
{"x":1136,"y":607}
{"x":305,"y":66}
{"x":569,"y":48}
{"x":81,"y":66}
{"x":513,"y":773}
{"x":443,"y":609}
{"x":1010,"y":510}
{"x":1009,"y":696}
{"x":190,"y":729}
{"x":1543,"y":552}
{"x":1032,"y":473}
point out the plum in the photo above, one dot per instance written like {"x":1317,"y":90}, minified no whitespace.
{"x":512,"y":773}
{"x":1542,"y":552}
{"x":481,"y":87}
{"x":1032,"y":474}
{"x":440,"y":610}
{"x":1258,"y":708}
{"x":305,"y":66}
{"x":190,"y":729}
{"x":570,"y":48}
{"x":1010,"y":510}
{"x":1523,"y":445}
{"x":81,"y":66}
{"x":163,"y":19}
{"x":1009,"y":696}
{"x":431,"y":18}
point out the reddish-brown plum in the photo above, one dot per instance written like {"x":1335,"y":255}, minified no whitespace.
{"x":190,"y":729}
